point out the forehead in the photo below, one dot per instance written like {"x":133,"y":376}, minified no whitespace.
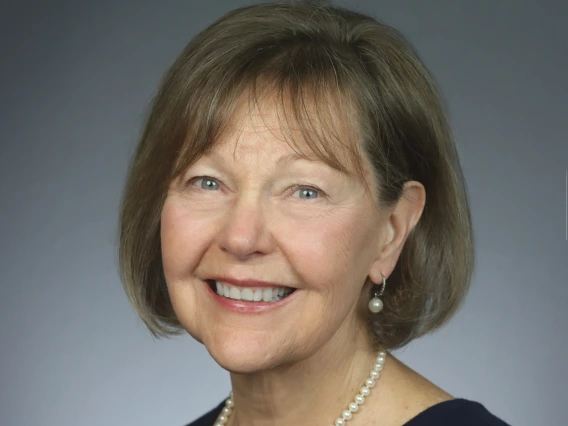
{"x":277,"y":125}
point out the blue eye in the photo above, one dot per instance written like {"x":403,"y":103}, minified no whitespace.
{"x":206,"y":183}
{"x":307,"y":193}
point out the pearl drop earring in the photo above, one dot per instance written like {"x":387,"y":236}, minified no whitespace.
{"x":376,"y":304}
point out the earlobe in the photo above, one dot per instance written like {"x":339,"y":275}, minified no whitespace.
{"x":383,"y":264}
{"x":379,"y":268}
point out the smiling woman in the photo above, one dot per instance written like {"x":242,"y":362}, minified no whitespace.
{"x":295,"y":157}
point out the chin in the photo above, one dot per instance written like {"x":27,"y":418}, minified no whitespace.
{"x":241,"y":355}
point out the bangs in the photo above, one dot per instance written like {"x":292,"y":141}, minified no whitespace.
{"x":302,"y":86}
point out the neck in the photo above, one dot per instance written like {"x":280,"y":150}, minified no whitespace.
{"x":313,"y":391}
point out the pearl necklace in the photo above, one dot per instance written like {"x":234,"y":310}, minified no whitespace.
{"x":345,"y":415}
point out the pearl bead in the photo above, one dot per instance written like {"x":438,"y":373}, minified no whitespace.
{"x":375,"y":305}
{"x":380,"y":359}
{"x":222,"y":419}
{"x":365,"y":391}
{"x":339,"y":422}
{"x":369,"y":383}
{"x":226,"y":411}
{"x":374,"y":375}
{"x":346,"y":414}
{"x":353,"y":407}
{"x":229,"y":403}
{"x":378,"y":367}
{"x":360,"y":399}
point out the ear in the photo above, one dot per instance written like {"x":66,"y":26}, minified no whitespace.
{"x":398,"y":224}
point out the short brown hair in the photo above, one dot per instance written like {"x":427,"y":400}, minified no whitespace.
{"x":310,"y":51}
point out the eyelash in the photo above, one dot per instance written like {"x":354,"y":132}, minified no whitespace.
{"x":320,"y":193}
{"x":294,"y":188}
{"x":196,"y":178}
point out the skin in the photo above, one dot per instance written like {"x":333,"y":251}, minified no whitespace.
{"x":262,"y":213}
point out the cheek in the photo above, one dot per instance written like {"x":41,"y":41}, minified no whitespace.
{"x":184,"y":238}
{"x":329,"y":251}
{"x":183,"y":242}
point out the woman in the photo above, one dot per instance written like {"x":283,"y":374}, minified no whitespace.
{"x":297,"y":205}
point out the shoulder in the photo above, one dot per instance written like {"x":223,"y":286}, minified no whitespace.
{"x":208,"y":418}
{"x":456,"y":411}
{"x":413,"y":400}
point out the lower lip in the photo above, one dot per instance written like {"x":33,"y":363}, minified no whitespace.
{"x":247,"y":307}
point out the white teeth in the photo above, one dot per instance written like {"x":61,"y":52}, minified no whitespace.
{"x":269,"y":294}
{"x":235,"y":293}
{"x":246,"y":294}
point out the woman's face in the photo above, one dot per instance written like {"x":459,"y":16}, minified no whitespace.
{"x":252,"y":210}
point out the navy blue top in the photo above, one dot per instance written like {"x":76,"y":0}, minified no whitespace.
{"x":454,"y":412}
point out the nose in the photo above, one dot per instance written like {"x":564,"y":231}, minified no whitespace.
{"x":245,"y":233}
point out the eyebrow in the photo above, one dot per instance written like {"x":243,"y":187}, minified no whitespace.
{"x":282,"y":161}
{"x":288,"y":158}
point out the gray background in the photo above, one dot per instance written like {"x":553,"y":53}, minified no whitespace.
{"x":75,"y":81}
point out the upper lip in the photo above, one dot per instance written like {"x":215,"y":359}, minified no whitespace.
{"x":246,"y":282}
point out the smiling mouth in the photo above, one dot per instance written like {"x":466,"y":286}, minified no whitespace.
{"x":250,"y":294}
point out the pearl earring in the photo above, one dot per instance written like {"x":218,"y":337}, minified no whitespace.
{"x":376,"y":304}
